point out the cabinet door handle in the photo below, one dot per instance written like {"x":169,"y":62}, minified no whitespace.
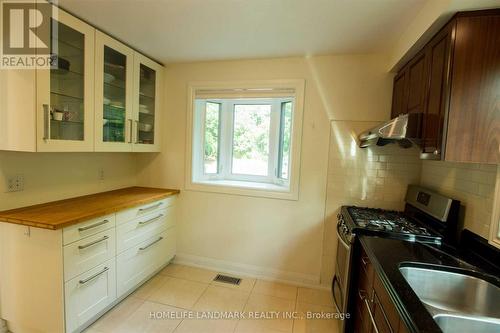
{"x":363,"y":298}
{"x":46,"y":122}
{"x":150,"y":220}
{"x":95,"y":225}
{"x":81,"y":247}
{"x":150,"y":207}
{"x":136,"y":132}
{"x":131,"y":130}
{"x":150,"y":244}
{"x":90,"y":278}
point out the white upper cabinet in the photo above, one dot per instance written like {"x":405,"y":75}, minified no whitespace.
{"x":114,"y":90}
{"x":98,"y":95}
{"x":65,"y":92}
{"x":147,"y":104}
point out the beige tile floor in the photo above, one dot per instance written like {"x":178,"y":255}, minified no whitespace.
{"x":179,"y":290}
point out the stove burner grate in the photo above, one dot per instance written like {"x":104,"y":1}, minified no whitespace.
{"x":385,"y":220}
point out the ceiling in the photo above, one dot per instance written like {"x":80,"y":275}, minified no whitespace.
{"x":194,"y":30}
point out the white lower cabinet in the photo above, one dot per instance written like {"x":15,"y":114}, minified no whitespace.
{"x":86,"y":253}
{"x":141,"y":229}
{"x":103,"y":266}
{"x":140,"y":261}
{"x":89,"y":293}
{"x":61,"y":281}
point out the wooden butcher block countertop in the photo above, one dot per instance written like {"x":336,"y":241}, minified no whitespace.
{"x":59,"y":214}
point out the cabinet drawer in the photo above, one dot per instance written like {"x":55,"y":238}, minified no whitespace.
{"x":91,"y":227}
{"x":89,"y":252}
{"x":137,"y":263}
{"x":384,"y":310}
{"x":143,"y":228}
{"x":140,"y":211}
{"x":366,"y":268}
{"x":89,"y":293}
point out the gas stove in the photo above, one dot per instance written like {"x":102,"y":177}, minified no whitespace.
{"x":428,"y":217}
{"x":388,"y":223}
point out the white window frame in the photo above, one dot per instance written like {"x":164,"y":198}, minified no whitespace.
{"x":269,"y":186}
{"x":226,"y":134}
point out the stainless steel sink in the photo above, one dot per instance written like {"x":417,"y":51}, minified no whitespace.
{"x":462,"y":324}
{"x":458,"y":302}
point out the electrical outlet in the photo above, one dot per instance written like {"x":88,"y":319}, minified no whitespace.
{"x":15,"y":183}
{"x":101,"y":173}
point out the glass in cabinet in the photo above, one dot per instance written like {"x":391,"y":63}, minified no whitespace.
{"x":114,"y":91}
{"x":148,"y":79}
{"x":65,"y":91}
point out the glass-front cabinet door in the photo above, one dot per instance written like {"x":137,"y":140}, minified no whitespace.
{"x":113,"y":94}
{"x":147,"y":105}
{"x":65,"y":92}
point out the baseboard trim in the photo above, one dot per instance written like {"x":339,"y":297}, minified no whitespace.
{"x":238,"y":269}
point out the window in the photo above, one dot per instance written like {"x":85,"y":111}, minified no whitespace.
{"x":245,"y":139}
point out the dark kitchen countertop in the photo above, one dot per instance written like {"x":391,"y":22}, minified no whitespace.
{"x":387,"y":255}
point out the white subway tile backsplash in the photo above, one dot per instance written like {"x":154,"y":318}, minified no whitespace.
{"x":471,"y":183}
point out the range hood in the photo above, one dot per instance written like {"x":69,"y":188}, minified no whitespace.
{"x":402,"y":130}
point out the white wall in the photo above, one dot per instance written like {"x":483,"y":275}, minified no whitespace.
{"x":275,"y":238}
{"x":54,"y":176}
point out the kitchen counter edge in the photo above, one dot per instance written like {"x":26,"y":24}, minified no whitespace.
{"x":139,"y":196}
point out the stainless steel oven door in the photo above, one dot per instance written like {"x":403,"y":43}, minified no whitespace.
{"x":338,"y":298}
{"x":340,"y":284}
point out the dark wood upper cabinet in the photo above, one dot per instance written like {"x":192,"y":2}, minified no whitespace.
{"x":399,"y":94}
{"x":454,"y":82}
{"x":473,"y":133}
{"x":438,"y":54}
{"x":416,"y":84}
{"x":409,"y":87}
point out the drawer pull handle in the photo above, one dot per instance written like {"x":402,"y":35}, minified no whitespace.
{"x":372,"y":318}
{"x":150,"y":220}
{"x":93,"y":225}
{"x":145,"y":209}
{"x":90,"y":278}
{"x":151,"y":244}
{"x":81,"y":247}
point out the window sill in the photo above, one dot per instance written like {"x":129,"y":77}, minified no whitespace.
{"x":235,"y":187}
